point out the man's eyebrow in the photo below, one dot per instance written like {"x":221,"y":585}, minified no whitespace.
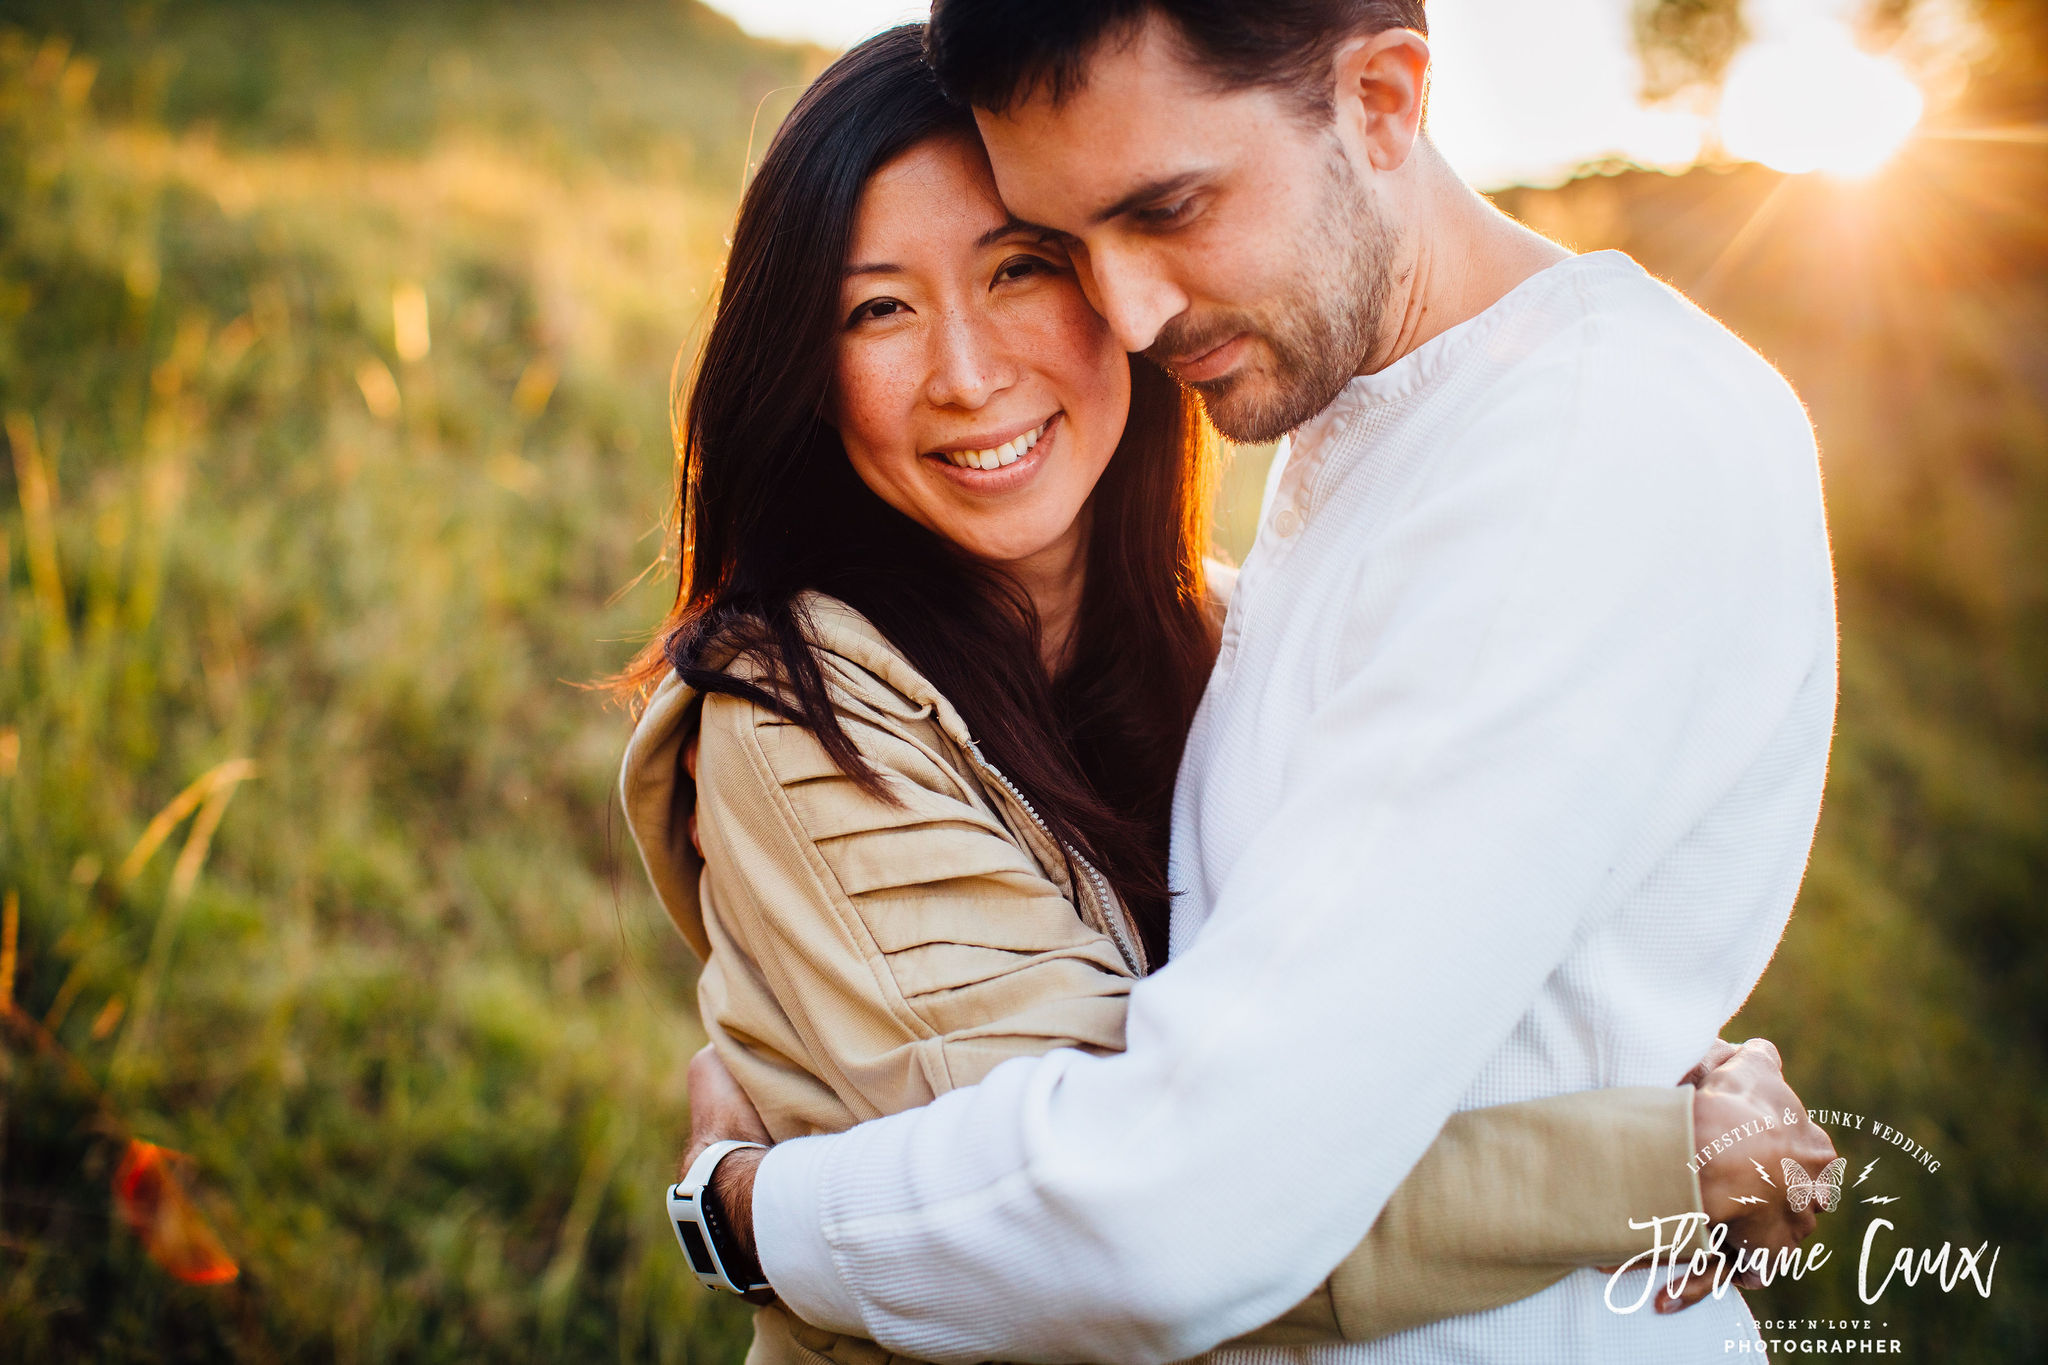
{"x":1146,"y":193}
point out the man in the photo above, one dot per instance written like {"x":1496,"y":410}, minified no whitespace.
{"x":1507,"y":775}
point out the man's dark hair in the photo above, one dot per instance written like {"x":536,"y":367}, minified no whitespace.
{"x":993,"y":53}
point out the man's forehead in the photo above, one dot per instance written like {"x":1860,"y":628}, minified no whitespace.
{"x":1143,"y":112}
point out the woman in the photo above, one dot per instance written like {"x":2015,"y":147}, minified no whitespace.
{"x":943,"y":625}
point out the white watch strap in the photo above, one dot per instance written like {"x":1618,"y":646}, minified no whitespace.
{"x":706,"y":1164}
{"x":687,"y":1213}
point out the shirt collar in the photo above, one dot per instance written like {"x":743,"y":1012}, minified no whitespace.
{"x":1421,"y":370}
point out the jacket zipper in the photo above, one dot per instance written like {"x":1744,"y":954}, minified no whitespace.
{"x":1112,"y":909}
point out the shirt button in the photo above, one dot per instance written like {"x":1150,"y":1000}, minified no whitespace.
{"x":1286,"y":522}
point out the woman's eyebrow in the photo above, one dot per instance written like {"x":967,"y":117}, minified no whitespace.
{"x":1012,"y":227}
{"x":1016,"y":227}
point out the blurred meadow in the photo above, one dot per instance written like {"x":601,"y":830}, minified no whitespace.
{"x":334,"y":350}
{"x":335,"y":345}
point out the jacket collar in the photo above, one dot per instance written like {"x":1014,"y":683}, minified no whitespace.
{"x":652,"y":788}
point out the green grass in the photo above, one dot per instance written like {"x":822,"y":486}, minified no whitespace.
{"x":418,"y":1023}
{"x":411,"y":1009}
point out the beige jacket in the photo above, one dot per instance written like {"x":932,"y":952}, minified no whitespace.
{"x":862,"y":957}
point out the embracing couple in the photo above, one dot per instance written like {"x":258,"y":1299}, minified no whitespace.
{"x":1129,"y":958}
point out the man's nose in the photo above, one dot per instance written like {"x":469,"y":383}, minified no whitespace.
{"x":969,"y":364}
{"x":1132,"y":296}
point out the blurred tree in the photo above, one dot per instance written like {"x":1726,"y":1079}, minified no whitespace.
{"x":2013,"y":81}
{"x":1686,"y":43}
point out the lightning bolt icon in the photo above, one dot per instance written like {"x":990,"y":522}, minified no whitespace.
{"x":1748,"y":1199}
{"x":1765,"y":1174}
{"x":1882,"y":1199}
{"x":1866,"y":1171}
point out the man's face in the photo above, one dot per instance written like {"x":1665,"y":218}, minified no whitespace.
{"x":1225,"y":234}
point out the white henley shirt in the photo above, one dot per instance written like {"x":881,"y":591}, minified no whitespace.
{"x":1503,"y":787}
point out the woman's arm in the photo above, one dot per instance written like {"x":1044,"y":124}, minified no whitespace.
{"x":1506,"y":1202}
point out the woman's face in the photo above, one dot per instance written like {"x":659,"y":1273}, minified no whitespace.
{"x":975,"y":389}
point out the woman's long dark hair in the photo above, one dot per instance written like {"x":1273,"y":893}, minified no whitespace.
{"x":769,"y":507}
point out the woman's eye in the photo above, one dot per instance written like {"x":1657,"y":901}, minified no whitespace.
{"x":1022,"y":267}
{"x":874,"y":308}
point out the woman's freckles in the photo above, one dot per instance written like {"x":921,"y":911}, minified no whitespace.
{"x":975,"y":389}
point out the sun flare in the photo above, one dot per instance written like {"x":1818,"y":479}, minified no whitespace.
{"x":1814,"y":101}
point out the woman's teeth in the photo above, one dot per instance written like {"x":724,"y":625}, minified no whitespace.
{"x":1007,"y":453}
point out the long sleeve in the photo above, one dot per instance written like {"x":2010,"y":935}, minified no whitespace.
{"x":1507,"y":1201}
{"x":909,"y":949}
{"x":1573,"y":640}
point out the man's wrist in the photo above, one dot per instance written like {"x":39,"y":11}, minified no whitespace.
{"x":732,"y":1185}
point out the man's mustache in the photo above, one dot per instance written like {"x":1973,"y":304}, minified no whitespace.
{"x":1184,"y":338}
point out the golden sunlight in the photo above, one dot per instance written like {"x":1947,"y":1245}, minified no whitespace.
{"x":1814,"y":101}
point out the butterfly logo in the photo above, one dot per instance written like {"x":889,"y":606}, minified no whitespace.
{"x":1824,"y":1189}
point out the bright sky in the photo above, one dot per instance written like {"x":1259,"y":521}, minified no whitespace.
{"x":1525,"y":92}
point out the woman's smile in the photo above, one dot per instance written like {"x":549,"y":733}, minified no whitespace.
{"x":997,"y":465}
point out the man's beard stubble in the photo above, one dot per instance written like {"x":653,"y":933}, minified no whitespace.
{"x":1320,"y":330}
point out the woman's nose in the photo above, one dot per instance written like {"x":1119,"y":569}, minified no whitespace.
{"x":969,"y":363}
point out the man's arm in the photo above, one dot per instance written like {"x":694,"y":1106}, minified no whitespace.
{"x":1578,"y":646}
{"x":1506,"y":1201}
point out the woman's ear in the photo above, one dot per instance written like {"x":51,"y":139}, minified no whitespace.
{"x":1381,"y":90}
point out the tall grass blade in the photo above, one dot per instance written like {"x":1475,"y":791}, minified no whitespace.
{"x":216,"y":788}
{"x":32,"y":481}
{"x":180,"y":806}
{"x":10,"y":938}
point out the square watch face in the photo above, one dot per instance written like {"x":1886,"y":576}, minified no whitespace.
{"x":692,"y":1239}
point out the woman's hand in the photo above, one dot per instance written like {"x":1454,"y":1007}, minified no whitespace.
{"x":719,"y":1111}
{"x":1735,"y":1088}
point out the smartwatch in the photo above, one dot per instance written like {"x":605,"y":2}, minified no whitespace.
{"x":702,"y":1231}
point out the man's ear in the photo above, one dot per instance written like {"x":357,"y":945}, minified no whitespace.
{"x":1381,"y":86}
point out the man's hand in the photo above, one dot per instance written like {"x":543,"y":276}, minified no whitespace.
{"x":1734,"y":1088}
{"x":720,"y":1110}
